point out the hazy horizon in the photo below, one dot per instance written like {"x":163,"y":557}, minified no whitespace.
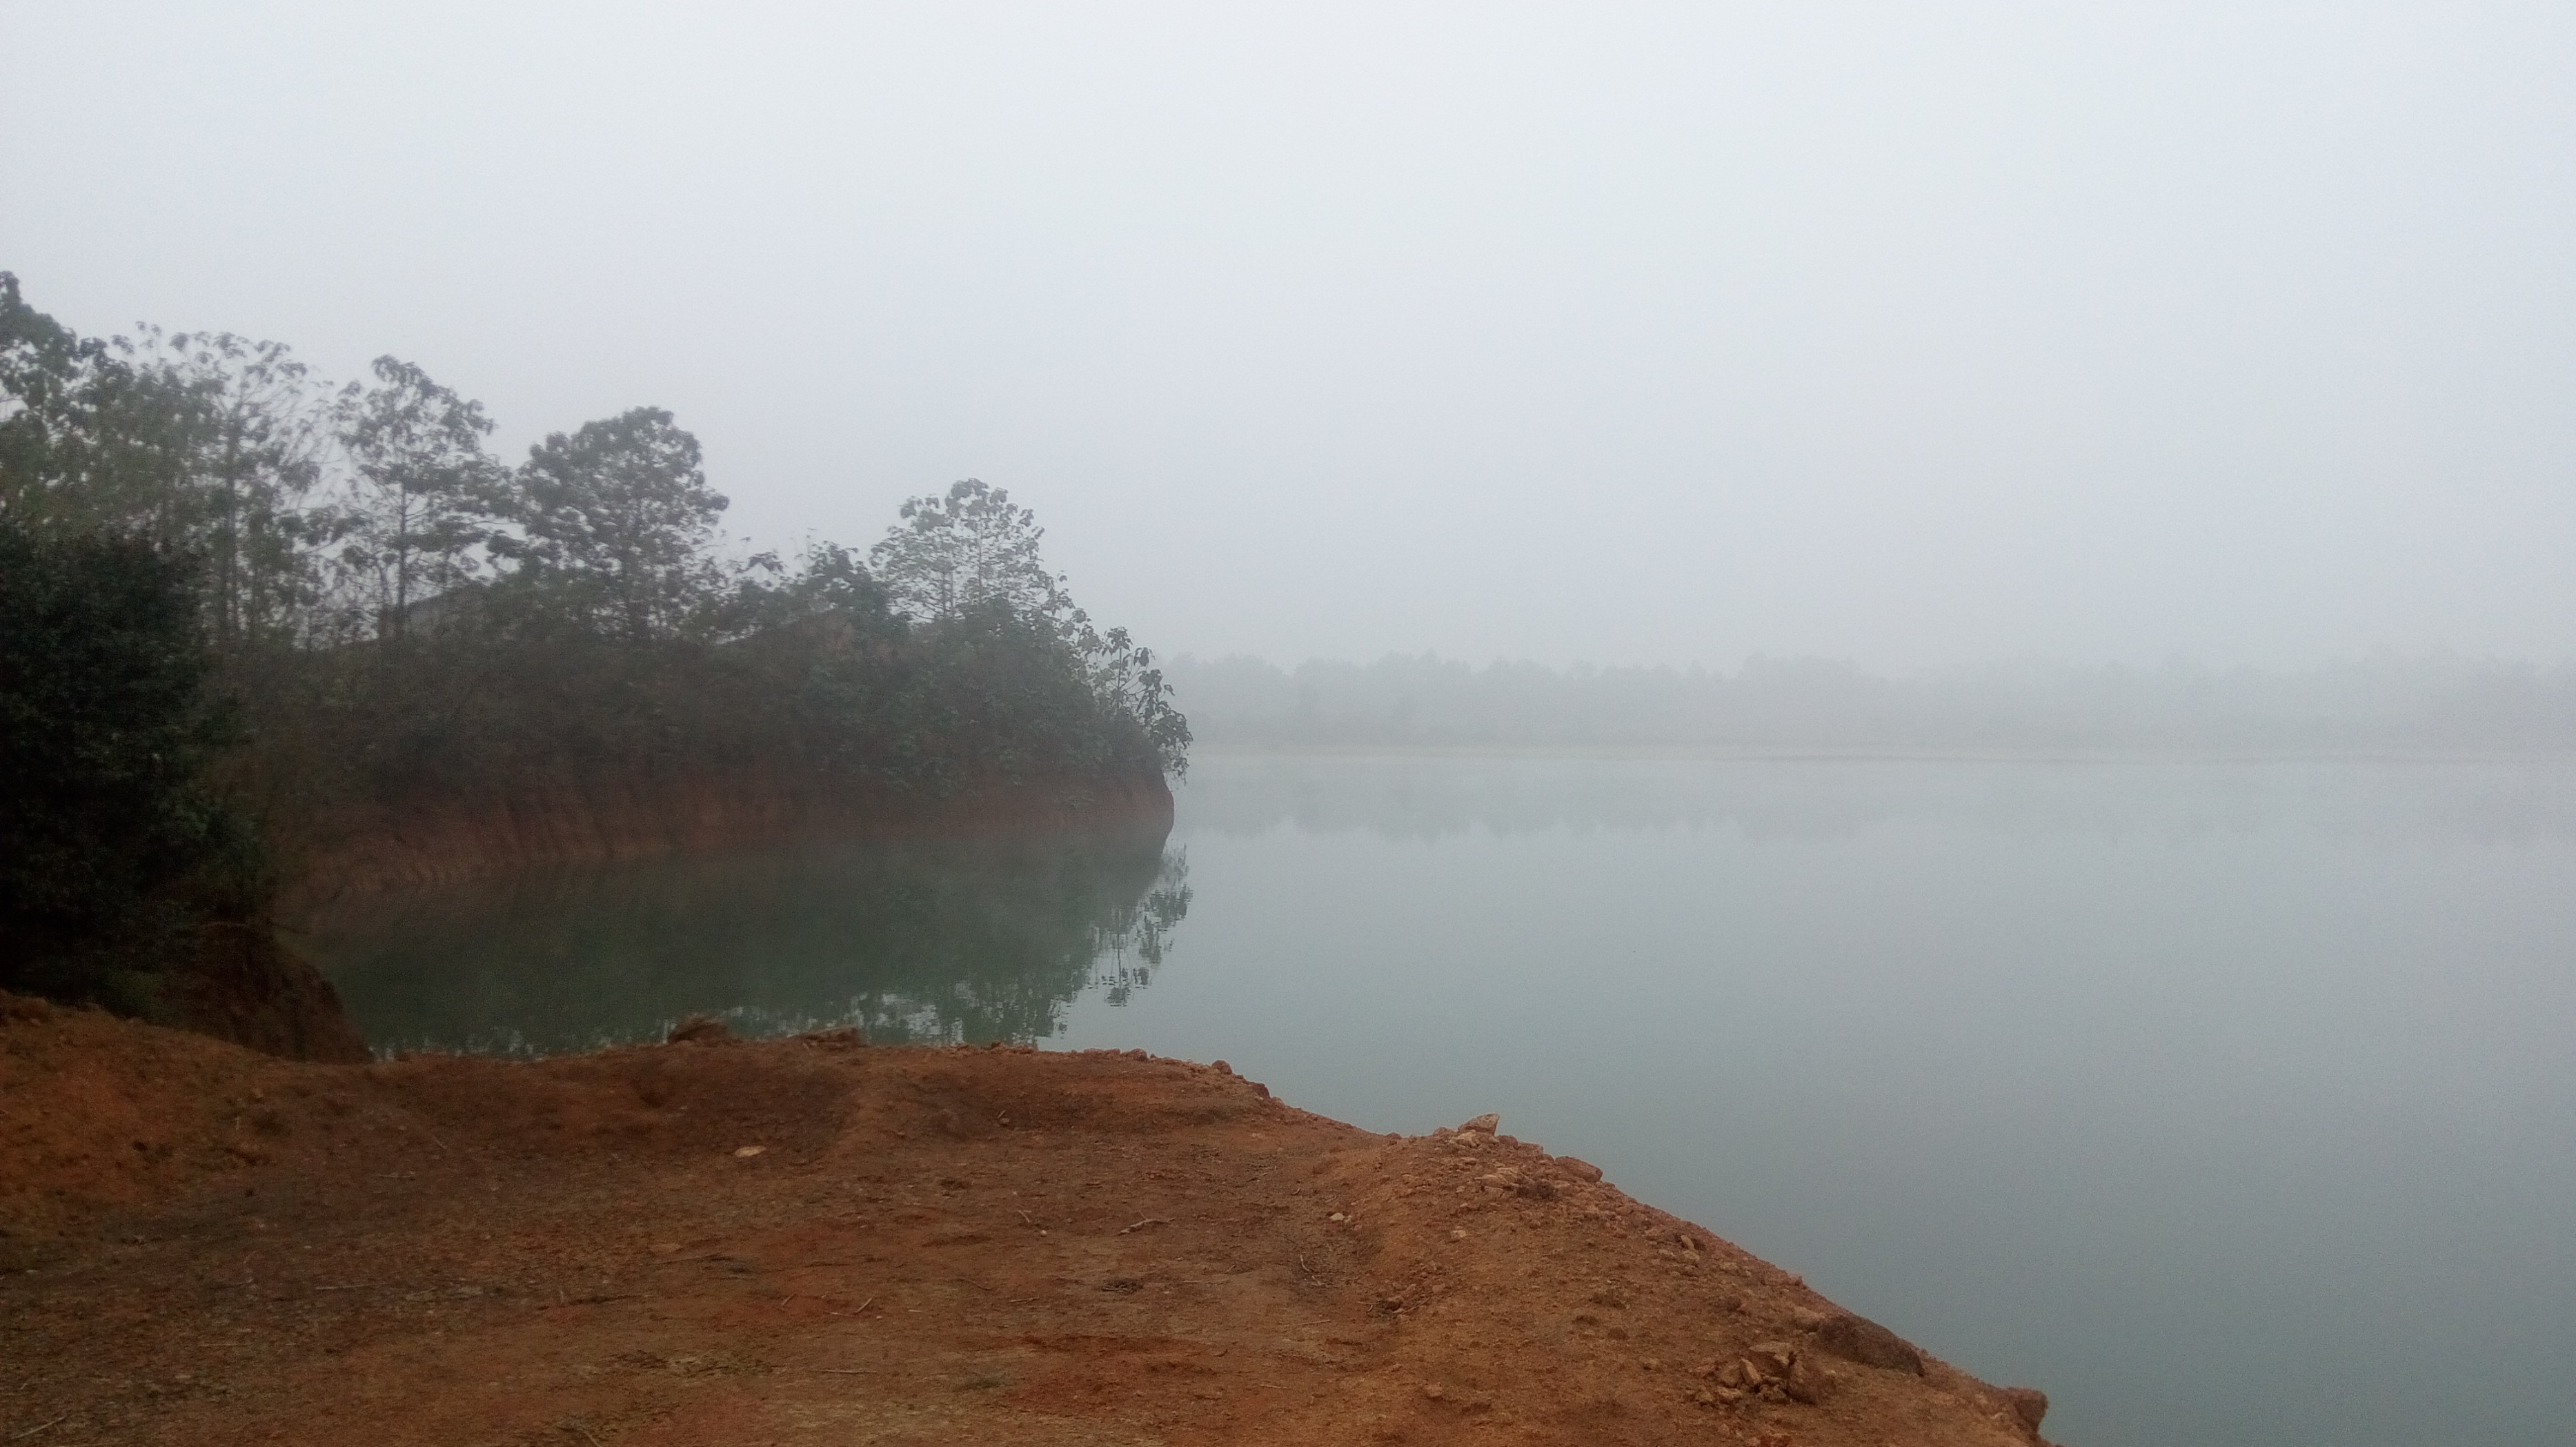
{"x":2428,"y":705}
{"x":2438,"y":655}
{"x":1670,"y":334}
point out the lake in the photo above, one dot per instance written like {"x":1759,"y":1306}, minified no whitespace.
{"x":2229,"y":1102}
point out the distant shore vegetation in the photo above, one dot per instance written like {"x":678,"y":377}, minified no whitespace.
{"x":235,"y":596}
{"x":2386,"y":703}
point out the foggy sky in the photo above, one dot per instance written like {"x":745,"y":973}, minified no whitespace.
{"x":1911,"y":334}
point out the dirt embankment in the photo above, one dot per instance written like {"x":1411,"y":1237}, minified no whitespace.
{"x":814,"y":1241}
{"x":246,"y":986}
{"x":596,"y":819}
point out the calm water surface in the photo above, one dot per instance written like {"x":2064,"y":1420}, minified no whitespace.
{"x":2230,"y":1103}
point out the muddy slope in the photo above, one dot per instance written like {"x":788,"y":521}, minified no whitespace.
{"x":814,"y":1241}
{"x":246,"y":986}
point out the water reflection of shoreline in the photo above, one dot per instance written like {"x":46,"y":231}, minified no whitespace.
{"x":921,"y":941}
{"x":1427,"y":796}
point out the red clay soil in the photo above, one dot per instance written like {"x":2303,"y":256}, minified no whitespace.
{"x":444,"y":839}
{"x":814,"y":1241}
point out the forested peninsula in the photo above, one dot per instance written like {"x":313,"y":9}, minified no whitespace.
{"x":264,"y":636}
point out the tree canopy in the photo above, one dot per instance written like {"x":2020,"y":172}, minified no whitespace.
{"x":970,"y":550}
{"x":615,"y":521}
{"x":421,"y":489}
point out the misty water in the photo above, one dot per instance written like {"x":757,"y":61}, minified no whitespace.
{"x":2227,"y":1102}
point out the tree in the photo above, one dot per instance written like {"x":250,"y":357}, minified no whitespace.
{"x":87,"y":440}
{"x":1125,"y":678}
{"x":972,"y":558}
{"x":615,"y":522}
{"x":966,"y":551}
{"x":420,"y":489}
{"x":257,"y":427}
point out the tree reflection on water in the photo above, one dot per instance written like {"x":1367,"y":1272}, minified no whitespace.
{"x":935,"y":941}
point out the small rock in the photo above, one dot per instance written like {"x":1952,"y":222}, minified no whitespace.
{"x":700,"y":1029}
{"x":1487,"y":1123}
{"x":2028,"y":1404}
{"x":1769,"y":1360}
{"x":1337,"y":1217}
{"x":745,"y":1153}
{"x":1221,"y":1068}
{"x":1860,"y":1340}
{"x":1580,"y":1170}
{"x":1432,"y":1390}
{"x":1809,"y":1382}
{"x":1459,"y":1234}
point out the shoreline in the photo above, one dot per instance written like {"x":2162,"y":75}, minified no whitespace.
{"x":248,"y":984}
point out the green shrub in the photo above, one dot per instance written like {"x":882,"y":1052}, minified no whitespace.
{"x":111,"y":842}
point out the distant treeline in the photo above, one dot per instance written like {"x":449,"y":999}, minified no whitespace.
{"x":2437,"y":703}
{"x":235,"y":598}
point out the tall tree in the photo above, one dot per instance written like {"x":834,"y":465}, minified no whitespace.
{"x":420,"y":491}
{"x":969,"y":550}
{"x":616,"y":523}
{"x":258,"y":427}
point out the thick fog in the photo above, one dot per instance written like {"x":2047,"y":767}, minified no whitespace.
{"x":1911,"y":335}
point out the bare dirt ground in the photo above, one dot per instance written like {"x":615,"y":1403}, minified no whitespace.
{"x":814,"y":1241}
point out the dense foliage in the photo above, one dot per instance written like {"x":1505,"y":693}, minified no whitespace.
{"x":110,"y":840}
{"x":394,"y":614}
